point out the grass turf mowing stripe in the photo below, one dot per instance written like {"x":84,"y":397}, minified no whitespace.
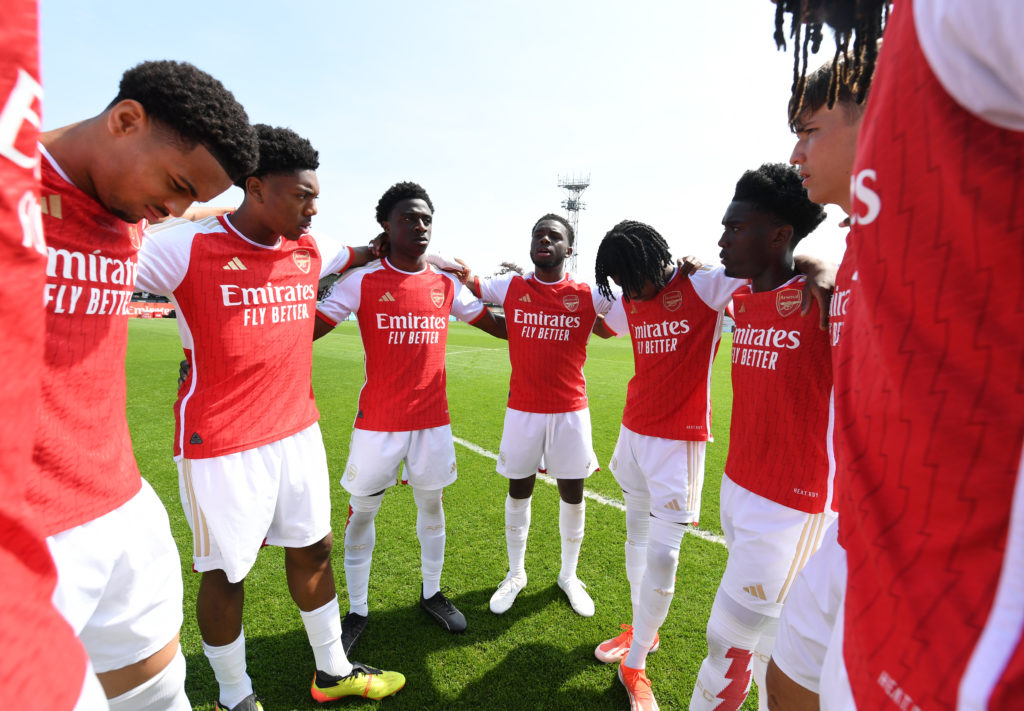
{"x":589,"y":494}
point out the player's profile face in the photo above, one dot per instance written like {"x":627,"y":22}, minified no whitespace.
{"x":824,"y":152}
{"x":408,"y":227}
{"x":289,"y":202}
{"x":549,"y":245}
{"x":149,"y":173}
{"x":746,"y":239}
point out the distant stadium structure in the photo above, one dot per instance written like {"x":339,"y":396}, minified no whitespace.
{"x":574,"y":186}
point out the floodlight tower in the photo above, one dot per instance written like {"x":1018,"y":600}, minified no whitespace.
{"x":574,"y":187}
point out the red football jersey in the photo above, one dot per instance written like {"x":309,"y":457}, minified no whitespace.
{"x":675,"y":338}
{"x":837,"y":310}
{"x":931,"y":406}
{"x":781,"y":384}
{"x":548,"y":329}
{"x":33,"y":632}
{"x":403,"y":321}
{"x":245,"y":314}
{"x":83,"y":449}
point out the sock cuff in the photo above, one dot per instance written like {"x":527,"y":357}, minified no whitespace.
{"x":517,"y":504}
{"x":226,"y":649}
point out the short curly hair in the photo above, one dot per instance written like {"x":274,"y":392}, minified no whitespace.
{"x":395,"y":194}
{"x":775,"y":189}
{"x":196,"y":107}
{"x":281,"y":151}
{"x":558,"y":218}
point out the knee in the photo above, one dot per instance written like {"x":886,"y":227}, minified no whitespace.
{"x":571,"y":490}
{"x":784,"y":694}
{"x":320,"y":552}
{"x":428,"y":501}
{"x":522,"y":488}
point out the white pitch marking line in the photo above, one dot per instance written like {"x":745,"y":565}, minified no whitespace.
{"x":700,"y":533}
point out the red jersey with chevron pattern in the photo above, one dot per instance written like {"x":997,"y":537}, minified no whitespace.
{"x":403,"y":321}
{"x":930,"y":413}
{"x":83,"y":448}
{"x":245,"y":315}
{"x":32,"y":627}
{"x":675,"y":337}
{"x":548,"y":329}
{"x":781,"y":383}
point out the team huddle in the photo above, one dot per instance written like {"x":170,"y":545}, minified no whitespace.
{"x":876,"y":431}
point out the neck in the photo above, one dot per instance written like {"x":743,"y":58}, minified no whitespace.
{"x":550,"y":274}
{"x":246,"y":220}
{"x":71,"y":146}
{"x":408,"y":263}
{"x":774,"y":276}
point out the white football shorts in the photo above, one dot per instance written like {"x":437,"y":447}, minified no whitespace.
{"x":558,"y":441}
{"x":768,"y":546}
{"x":119,"y":582}
{"x":278,"y":494}
{"x":810,"y":613}
{"x":671,"y":471}
{"x":374,"y":458}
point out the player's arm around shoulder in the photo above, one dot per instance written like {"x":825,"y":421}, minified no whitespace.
{"x":715,"y":288}
{"x":821,"y":280}
{"x":466,"y":307}
{"x":343,"y":300}
{"x":166,"y":251}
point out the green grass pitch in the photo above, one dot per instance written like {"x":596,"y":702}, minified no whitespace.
{"x":539,"y":655}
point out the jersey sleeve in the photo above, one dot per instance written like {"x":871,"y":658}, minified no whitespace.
{"x":974,"y":48}
{"x":343,"y":300}
{"x":165,"y":252}
{"x":615,"y":318}
{"x":494,"y":289}
{"x":334,"y":256}
{"x":714,"y":288}
{"x":602,"y":304}
{"x":465,"y":306}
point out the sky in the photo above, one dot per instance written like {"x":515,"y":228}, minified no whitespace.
{"x":484,"y":103}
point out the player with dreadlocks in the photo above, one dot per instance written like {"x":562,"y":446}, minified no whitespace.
{"x":775,"y":500}
{"x":932,"y":616}
{"x":675,"y":323}
{"x":402,"y":304}
{"x":251,"y":462}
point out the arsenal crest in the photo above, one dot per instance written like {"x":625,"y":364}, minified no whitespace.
{"x":787,"y":302}
{"x":437,"y":296}
{"x":672,"y":300}
{"x":302,"y":260}
{"x":571,"y":301}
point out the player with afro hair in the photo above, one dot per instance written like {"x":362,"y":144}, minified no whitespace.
{"x":397,"y":193}
{"x":281,"y":150}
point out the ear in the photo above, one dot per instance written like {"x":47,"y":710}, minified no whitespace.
{"x":127,"y":117}
{"x":782,"y":237}
{"x":387,"y":227}
{"x":254,"y":188}
{"x":569,"y":251}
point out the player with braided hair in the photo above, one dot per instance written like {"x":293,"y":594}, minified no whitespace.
{"x":675,"y":323}
{"x":172,"y":136}
{"x":251,"y":462}
{"x":775,"y":500}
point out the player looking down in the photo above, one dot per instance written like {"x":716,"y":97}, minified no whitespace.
{"x":172,"y":135}
{"x":402,"y":304}
{"x":251,"y":462}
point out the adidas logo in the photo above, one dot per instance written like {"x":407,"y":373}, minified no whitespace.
{"x":235,"y":265}
{"x":743,"y":309}
{"x":50,"y":205}
{"x":387,"y":297}
{"x":756,"y":590}
{"x":525,"y":297}
{"x":195,"y":439}
{"x":673,"y":505}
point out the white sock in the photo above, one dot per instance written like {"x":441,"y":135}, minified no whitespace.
{"x":165,"y":691}
{"x":517,"y":529}
{"x":657,"y":589}
{"x":762,"y":654}
{"x":638,"y":525}
{"x":360,"y":537}
{"x":323,"y":628}
{"x":430,"y":530}
{"x":228,"y":664}
{"x":733,"y":633}
{"x":571,"y":523}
